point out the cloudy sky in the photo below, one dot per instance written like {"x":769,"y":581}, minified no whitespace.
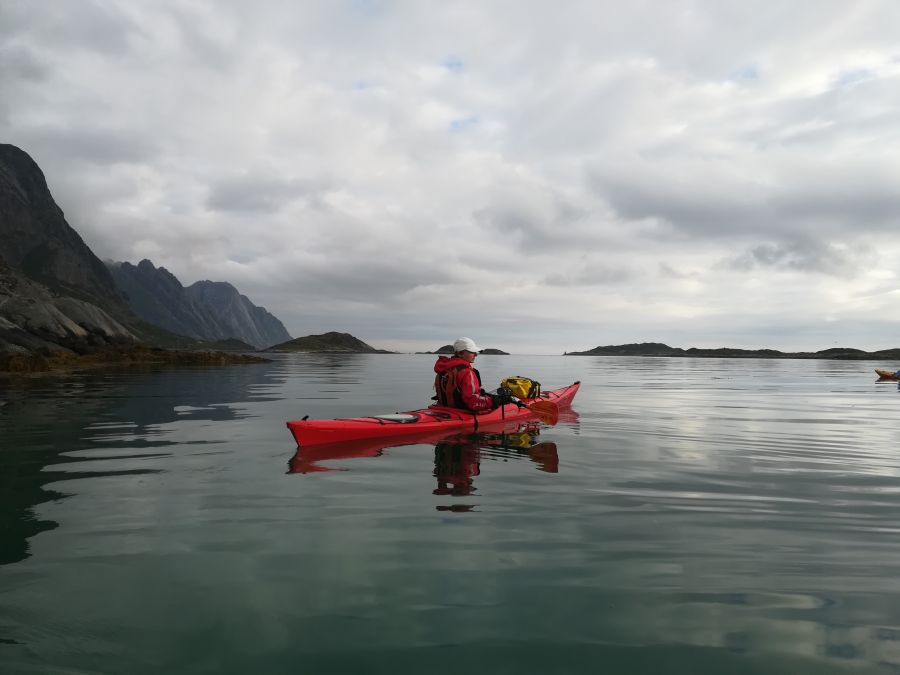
{"x":540,"y":176}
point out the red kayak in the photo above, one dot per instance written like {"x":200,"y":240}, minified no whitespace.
{"x":517,"y":437}
{"x":428,"y":421}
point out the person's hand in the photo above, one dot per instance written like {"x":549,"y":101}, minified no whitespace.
{"x":502,"y":397}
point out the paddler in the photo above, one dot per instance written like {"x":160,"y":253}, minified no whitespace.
{"x":458,"y":383}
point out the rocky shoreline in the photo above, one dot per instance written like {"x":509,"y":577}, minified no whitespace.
{"x":60,"y":362}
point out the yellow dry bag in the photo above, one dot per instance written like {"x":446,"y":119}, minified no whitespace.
{"x":522,"y":387}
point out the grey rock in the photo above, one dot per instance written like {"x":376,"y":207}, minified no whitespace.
{"x":32,"y":318}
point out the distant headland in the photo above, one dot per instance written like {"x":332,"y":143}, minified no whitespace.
{"x":448,"y":349}
{"x":328,"y":343}
{"x":659,"y":349}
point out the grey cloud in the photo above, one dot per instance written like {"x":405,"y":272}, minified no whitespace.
{"x":803,"y":256}
{"x":92,"y":25}
{"x":544,"y":221}
{"x":368,"y":280}
{"x":218,"y":52}
{"x":589,"y":275}
{"x":507,"y":220}
{"x":95,"y":145}
{"x":843,"y":113}
{"x":716,"y":202}
{"x":254,"y":193}
{"x":669,"y":272}
{"x":18,"y":63}
{"x":691,"y":203}
{"x":864,"y":198}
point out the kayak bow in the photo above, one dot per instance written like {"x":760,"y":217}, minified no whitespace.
{"x":429,"y":420}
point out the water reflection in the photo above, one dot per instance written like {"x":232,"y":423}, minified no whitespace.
{"x":711,"y":517}
{"x":457,"y":458}
{"x":102,"y":424}
{"x":520,"y":442}
{"x":569,"y":417}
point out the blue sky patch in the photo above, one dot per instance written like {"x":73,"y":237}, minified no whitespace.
{"x":454,"y":64}
{"x":748,"y":72}
{"x":366,"y":7}
{"x":850,"y":77}
{"x":463,"y":123}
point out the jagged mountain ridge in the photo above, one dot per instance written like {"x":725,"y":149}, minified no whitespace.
{"x":259,"y":326}
{"x":205,"y":310}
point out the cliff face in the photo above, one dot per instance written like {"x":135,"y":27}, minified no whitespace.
{"x":241,"y":318}
{"x":55,"y":294}
{"x":37,"y":240}
{"x":205,"y":310}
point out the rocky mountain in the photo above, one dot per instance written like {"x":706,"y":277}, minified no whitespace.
{"x":55,"y":294}
{"x":242,"y":319}
{"x":57,"y":298}
{"x":205,"y":310}
{"x":328,"y":343}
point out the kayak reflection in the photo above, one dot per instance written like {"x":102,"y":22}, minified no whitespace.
{"x":457,"y":460}
{"x":457,"y":457}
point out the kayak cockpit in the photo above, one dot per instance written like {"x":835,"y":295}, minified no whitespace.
{"x":401,"y":418}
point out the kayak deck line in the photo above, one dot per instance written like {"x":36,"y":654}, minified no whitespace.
{"x":308,"y":432}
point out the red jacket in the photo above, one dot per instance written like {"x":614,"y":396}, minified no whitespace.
{"x":462,"y":383}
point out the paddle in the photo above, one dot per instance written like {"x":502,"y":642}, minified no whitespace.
{"x":546,"y":411}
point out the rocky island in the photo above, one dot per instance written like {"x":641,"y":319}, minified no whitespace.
{"x":659,"y":349}
{"x":328,"y":343}
{"x":448,"y":349}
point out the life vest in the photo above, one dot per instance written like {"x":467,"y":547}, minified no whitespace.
{"x":446,"y":385}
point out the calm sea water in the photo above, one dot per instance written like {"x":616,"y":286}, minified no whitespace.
{"x":690,"y":516}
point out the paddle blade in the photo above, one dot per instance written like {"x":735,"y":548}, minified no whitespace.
{"x":545,"y":456}
{"x":545,"y":411}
